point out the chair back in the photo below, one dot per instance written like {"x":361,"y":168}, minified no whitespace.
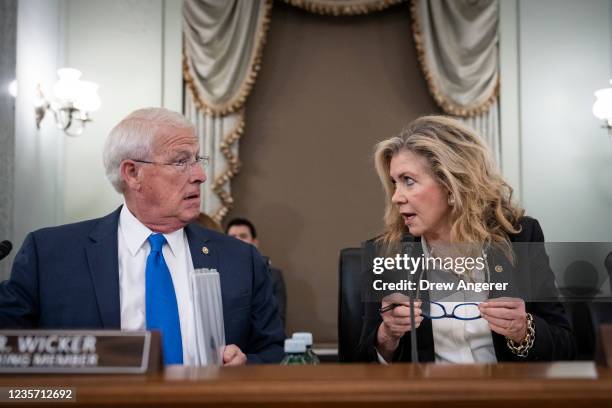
{"x":350,"y":307}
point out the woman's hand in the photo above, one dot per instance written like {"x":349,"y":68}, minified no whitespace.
{"x":506,"y":316}
{"x":396,"y":322}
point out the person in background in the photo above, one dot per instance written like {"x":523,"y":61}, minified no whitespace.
{"x":130,"y":269}
{"x":442,"y":188}
{"x":244,"y":230}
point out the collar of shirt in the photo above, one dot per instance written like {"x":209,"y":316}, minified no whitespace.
{"x":136,"y":233}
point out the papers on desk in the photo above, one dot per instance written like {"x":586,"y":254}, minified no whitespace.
{"x":208,"y":314}
{"x":571,"y":369}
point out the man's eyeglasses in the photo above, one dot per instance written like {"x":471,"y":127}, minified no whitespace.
{"x":461,"y":311}
{"x":181,"y":165}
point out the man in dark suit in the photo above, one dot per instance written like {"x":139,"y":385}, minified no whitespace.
{"x":244,"y":230}
{"x":131,"y":269}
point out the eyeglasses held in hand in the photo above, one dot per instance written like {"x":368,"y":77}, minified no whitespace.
{"x":461,"y":311}
{"x":435,"y":310}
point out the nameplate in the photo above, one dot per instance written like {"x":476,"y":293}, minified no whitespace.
{"x":79,"y":351}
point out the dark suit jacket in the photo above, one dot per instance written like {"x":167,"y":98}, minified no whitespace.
{"x":278,"y":289}
{"x":554,"y":339}
{"x":67,"y":277}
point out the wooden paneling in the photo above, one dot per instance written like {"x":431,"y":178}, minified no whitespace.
{"x":429,"y":385}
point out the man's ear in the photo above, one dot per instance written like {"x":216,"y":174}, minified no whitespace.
{"x":130,"y":173}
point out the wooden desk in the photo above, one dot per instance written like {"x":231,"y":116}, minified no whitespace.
{"x":360,"y":385}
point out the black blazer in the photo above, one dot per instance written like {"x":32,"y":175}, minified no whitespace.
{"x":554,"y":339}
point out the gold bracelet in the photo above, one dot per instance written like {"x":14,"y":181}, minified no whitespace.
{"x":522,"y":349}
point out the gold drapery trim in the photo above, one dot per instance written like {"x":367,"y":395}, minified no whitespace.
{"x":237,"y":102}
{"x":227,"y":201}
{"x":448,"y":106}
{"x":333,"y":8}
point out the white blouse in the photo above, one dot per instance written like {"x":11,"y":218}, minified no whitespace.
{"x":462,"y":341}
{"x":459,"y":341}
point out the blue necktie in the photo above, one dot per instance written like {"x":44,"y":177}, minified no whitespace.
{"x":160,"y":299}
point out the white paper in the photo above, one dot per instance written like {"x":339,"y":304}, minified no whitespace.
{"x":208,"y":314}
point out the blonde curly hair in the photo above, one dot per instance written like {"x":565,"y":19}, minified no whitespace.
{"x":483,"y":211}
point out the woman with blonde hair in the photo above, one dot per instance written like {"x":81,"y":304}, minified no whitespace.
{"x":443,"y":191}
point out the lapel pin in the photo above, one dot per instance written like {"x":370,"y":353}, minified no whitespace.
{"x":499,"y":268}
{"x":205,"y":250}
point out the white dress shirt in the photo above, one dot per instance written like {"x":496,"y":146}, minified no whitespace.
{"x":134,"y":249}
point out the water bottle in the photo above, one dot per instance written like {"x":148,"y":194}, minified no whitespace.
{"x":311,"y":357}
{"x":295,"y":352}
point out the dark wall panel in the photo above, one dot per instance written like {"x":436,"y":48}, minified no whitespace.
{"x":329,"y":88}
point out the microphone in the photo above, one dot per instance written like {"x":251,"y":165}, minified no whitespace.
{"x":414,"y":355}
{"x":5,"y":248}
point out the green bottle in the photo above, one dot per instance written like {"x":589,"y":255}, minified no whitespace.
{"x":311,"y":357}
{"x":295,"y":352}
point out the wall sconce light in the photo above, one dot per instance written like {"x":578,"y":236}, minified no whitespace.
{"x":602,"y":108}
{"x":74,"y":101}
{"x":12,"y":88}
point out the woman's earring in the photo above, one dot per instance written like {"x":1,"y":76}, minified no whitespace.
{"x":451,"y":200}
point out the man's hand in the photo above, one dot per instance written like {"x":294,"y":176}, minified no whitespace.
{"x":506,"y":316}
{"x":233,"y":356}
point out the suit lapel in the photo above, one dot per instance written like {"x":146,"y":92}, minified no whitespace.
{"x":501,"y":270}
{"x":204,"y":252}
{"x":102,"y":257}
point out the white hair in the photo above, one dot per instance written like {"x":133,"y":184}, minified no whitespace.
{"x":133,"y":139}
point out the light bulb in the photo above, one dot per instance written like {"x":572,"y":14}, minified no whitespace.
{"x":66,"y":89}
{"x":602,"y":108}
{"x":12,"y":88}
{"x":88,"y":99}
